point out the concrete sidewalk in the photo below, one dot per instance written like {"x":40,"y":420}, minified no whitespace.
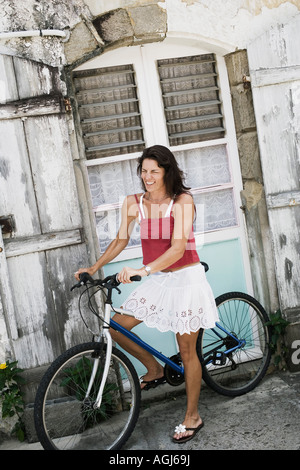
{"x":268,"y":418}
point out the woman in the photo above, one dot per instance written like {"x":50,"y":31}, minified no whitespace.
{"x":176,"y":296}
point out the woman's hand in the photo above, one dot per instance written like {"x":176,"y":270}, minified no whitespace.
{"x":126,"y":273}
{"x":91,"y":271}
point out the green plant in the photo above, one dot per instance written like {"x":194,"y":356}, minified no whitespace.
{"x":10,"y":394}
{"x":278,"y":326}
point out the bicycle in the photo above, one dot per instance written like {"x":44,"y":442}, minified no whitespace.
{"x":90,"y":396}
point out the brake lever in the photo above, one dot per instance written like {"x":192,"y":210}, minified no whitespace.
{"x":79,"y":284}
{"x":84,"y":278}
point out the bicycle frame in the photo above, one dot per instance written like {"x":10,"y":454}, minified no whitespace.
{"x":146,"y":346}
{"x":108,"y":322}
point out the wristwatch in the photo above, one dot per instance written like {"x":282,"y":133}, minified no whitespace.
{"x":148,"y":270}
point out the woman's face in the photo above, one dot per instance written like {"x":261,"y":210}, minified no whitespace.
{"x":153,"y":176}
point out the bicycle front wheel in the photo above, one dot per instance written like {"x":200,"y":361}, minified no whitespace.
{"x":239,"y":371}
{"x":65,"y":416}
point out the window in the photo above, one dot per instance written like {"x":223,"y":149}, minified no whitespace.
{"x":136,"y":99}
{"x":191,"y":99}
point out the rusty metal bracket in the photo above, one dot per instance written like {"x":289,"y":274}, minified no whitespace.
{"x":68,"y":106}
{"x":7,"y":224}
{"x":246,"y":82}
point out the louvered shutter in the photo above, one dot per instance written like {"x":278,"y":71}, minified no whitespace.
{"x":191,"y":99}
{"x":109,"y":111}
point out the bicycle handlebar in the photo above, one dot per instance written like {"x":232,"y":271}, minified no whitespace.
{"x":110,"y":282}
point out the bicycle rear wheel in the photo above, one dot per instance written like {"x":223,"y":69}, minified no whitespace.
{"x":239,"y":371}
{"x":65,"y":419}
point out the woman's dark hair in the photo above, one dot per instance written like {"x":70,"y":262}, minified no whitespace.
{"x":174,"y":177}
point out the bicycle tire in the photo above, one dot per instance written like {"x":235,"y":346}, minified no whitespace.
{"x":245,"y":317}
{"x":66,"y":420}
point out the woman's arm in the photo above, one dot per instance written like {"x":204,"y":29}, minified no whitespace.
{"x":128,"y":216}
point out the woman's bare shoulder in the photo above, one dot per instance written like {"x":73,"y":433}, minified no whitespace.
{"x":130,"y":204}
{"x":184,"y":198}
{"x":132,"y":198}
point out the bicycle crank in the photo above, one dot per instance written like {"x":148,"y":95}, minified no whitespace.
{"x":173,"y":377}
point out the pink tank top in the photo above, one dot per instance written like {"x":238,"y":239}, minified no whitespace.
{"x":156,"y":236}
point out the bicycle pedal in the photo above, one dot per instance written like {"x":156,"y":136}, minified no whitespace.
{"x":219,"y":358}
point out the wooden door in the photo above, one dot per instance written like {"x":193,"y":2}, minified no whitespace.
{"x":39,"y":213}
{"x":274,"y":61}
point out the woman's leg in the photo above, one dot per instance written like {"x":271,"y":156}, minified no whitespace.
{"x":193,"y":377}
{"x":154,"y":368}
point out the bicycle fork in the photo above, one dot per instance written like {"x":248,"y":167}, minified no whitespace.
{"x":104,"y":336}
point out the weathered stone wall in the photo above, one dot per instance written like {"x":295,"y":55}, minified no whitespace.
{"x":39,"y":15}
{"x":254,"y":204}
{"x":92,"y":26}
{"x":116,"y":28}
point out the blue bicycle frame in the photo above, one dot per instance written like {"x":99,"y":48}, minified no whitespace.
{"x":145,"y":346}
{"x":162,"y":357}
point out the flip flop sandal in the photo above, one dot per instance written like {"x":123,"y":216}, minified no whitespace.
{"x":182,"y":428}
{"x":153,"y":383}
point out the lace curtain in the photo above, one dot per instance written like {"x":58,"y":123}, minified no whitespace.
{"x":109,"y":184}
{"x":206,"y":170}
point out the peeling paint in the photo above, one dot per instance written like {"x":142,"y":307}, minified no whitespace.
{"x":257,"y":7}
{"x":4,"y":168}
{"x":228,"y":21}
{"x":37,"y":186}
{"x":288,"y":270}
{"x":282,"y":240}
{"x":273,"y":113}
{"x":254,"y":7}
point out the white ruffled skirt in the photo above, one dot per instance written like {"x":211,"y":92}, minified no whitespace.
{"x":180,"y":301}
